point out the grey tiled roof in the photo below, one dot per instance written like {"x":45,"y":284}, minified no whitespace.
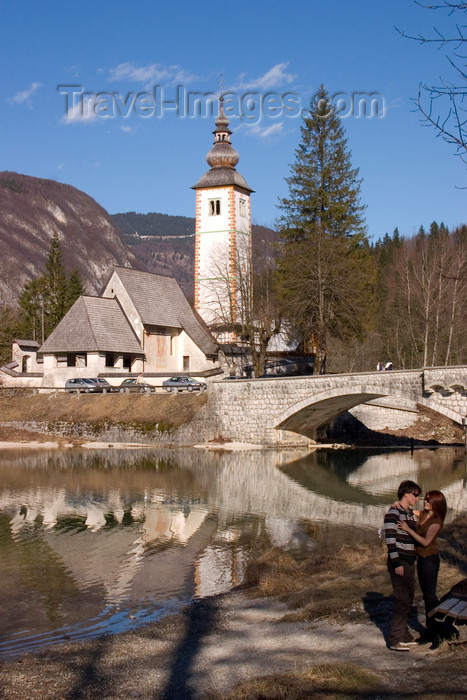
{"x":26,"y":343}
{"x":160,"y":302}
{"x":93,"y":324}
{"x":220,"y":176}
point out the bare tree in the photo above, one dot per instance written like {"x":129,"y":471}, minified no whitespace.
{"x":443,"y":106}
{"x":424,"y":316}
{"x":456,"y":314}
{"x":240,"y":305}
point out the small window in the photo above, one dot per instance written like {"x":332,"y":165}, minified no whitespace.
{"x":109,"y":359}
{"x":214,"y":207}
{"x":186,"y":363}
{"x":242,"y":207}
{"x":71,"y":359}
{"x":82,"y":360}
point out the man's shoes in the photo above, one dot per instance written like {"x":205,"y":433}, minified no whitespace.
{"x":436,"y":642}
{"x":400,"y":646}
{"x":424,"y":640}
{"x":411,"y":643}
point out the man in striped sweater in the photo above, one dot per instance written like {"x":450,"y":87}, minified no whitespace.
{"x":401,"y":563}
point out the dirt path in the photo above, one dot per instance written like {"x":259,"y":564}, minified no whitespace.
{"x":214,"y":645}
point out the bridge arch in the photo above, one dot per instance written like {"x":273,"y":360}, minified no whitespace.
{"x":305,"y":416}
{"x":434,"y":405}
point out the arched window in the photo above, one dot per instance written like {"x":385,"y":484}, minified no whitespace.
{"x":214,"y":207}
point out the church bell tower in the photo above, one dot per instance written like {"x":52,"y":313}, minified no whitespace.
{"x":223,"y":237}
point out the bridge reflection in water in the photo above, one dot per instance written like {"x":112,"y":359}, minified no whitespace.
{"x":96,"y":542}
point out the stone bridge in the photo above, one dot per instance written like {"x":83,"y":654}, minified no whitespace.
{"x":288,"y":410}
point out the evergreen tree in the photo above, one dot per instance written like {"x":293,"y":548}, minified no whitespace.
{"x":325,"y":269}
{"x":74,"y":289}
{"x":33,"y":309}
{"x":323,"y":188}
{"x":56,"y":284}
{"x":9,"y":329}
{"x":45,"y":300}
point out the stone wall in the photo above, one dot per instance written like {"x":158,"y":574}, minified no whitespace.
{"x":383,"y":413}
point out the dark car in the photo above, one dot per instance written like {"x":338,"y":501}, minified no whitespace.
{"x":81,"y":384}
{"x":134,"y":385}
{"x":183,"y":384}
{"x":103,"y":384}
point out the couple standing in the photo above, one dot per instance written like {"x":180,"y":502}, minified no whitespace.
{"x":409,"y":533}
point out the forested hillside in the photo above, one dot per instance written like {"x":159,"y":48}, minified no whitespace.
{"x":418,"y":317}
{"x":154,"y":224}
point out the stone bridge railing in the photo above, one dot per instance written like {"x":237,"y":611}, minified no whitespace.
{"x":288,"y":410}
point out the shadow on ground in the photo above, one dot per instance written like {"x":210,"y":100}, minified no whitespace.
{"x":201,"y":618}
{"x":379,"y":609}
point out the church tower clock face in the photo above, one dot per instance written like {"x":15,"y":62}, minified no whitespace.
{"x":223,"y":237}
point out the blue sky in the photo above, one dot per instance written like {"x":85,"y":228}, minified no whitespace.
{"x":130,"y":158}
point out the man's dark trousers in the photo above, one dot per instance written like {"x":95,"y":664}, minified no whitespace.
{"x":404,"y":589}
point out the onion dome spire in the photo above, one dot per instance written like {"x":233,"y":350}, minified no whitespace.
{"x":222,"y":158}
{"x":222,"y":154}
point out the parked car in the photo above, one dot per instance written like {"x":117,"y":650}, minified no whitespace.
{"x":103,"y":384}
{"x":183,"y":383}
{"x":134,"y":385}
{"x":81,"y":384}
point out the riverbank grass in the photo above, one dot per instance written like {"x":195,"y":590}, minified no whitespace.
{"x":319,"y":682}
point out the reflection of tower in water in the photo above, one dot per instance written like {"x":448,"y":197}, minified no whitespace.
{"x":221,"y":564}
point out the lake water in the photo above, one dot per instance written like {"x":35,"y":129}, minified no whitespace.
{"x":100,"y":541}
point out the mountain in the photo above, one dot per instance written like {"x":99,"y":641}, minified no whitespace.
{"x":154,"y":224}
{"x":31,"y":210}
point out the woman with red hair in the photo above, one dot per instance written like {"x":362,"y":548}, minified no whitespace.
{"x":430,"y":522}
